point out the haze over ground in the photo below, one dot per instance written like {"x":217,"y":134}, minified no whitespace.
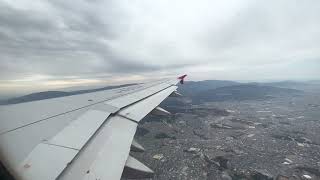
{"x":52,"y":44}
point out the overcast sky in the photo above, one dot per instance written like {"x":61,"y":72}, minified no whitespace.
{"x":53,"y":44}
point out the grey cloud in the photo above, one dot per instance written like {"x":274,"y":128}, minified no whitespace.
{"x":36,"y":42}
{"x":22,"y":20}
{"x":267,"y":32}
{"x":90,"y":39}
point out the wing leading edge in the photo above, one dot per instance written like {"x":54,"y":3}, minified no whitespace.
{"x":90,"y":141}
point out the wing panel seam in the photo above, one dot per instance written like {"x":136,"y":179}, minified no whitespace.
{"x":130,"y":119}
{"x":60,"y":146}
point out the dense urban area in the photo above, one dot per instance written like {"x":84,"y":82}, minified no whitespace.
{"x":236,"y":131}
{"x":226,"y":130}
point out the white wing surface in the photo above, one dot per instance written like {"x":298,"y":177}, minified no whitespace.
{"x":86,"y":136}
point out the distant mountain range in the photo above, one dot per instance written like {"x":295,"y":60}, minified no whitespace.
{"x":197,"y":91}
{"x":54,"y":94}
{"x":310,"y":86}
{"x":242,"y":92}
{"x":194,"y":87}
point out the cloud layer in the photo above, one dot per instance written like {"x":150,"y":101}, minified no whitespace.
{"x":67,"y":41}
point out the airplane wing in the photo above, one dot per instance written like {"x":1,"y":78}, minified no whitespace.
{"x":86,"y":136}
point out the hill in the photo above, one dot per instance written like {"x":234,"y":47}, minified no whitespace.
{"x":194,"y":87}
{"x":54,"y":94}
{"x":242,"y":92}
{"x":197,"y":91}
